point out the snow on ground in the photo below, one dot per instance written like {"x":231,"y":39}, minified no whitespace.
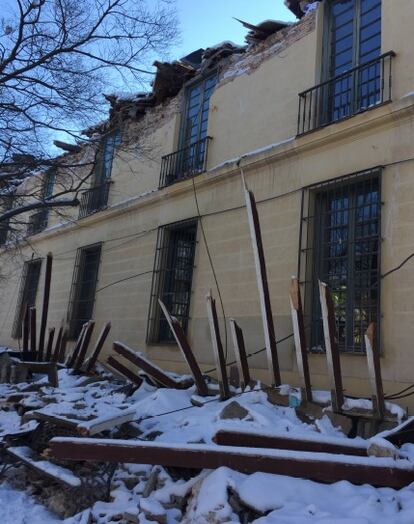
{"x":17,"y":507}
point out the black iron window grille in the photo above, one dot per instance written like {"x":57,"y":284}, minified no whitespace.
{"x":82,"y":295}
{"x":340,"y":244}
{"x":27,"y":293}
{"x":185,"y":163}
{"x":94,"y":199}
{"x":357,"y":76}
{"x":172,"y":278}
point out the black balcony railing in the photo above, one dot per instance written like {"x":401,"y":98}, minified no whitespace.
{"x":184,"y":163}
{"x":37,"y":222}
{"x":347,"y":94}
{"x":94,"y":199}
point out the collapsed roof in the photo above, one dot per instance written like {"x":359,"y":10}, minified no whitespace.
{"x":300,"y":7}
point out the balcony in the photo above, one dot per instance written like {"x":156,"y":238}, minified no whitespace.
{"x":355,"y":91}
{"x":184,"y":163}
{"x":37,"y":222}
{"x":94,"y":199}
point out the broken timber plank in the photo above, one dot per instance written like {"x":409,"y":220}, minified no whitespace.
{"x":84,"y":346}
{"x":185,"y":348}
{"x":45,"y":305}
{"x":123,"y":370}
{"x":300,"y":338}
{"x":95,"y":426}
{"x":374,"y":370}
{"x":55,"y":354}
{"x":263,"y":285}
{"x":49,"y":347}
{"x":62,"y":348}
{"x":240,"y":354}
{"x":139,"y":360}
{"x":318,"y":444}
{"x":27,"y":456}
{"x":217,"y":348}
{"x":98,"y":347}
{"x":322,"y":467}
{"x":32,"y":317}
{"x":331,"y":347}
{"x":25,"y":332}
{"x":70,"y":361}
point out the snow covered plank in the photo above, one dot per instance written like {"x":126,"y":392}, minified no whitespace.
{"x":154,"y":371}
{"x":374,"y":370}
{"x":300,"y":338}
{"x":331,"y":347}
{"x":31,"y":460}
{"x":123,"y":370}
{"x":317,"y":444}
{"x":185,"y":348}
{"x":105,"y":422}
{"x":217,"y":348}
{"x":402,"y":434}
{"x":57,"y":420}
{"x":263,"y":285}
{"x":322,"y":467}
{"x":240,"y":353}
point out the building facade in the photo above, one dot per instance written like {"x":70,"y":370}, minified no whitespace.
{"x":320,"y":116}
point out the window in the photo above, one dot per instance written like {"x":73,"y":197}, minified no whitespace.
{"x":96,"y":198}
{"x":172,"y":280}
{"x":38,"y":221}
{"x":27,"y":293}
{"x":82,"y":296}
{"x":4,"y":225}
{"x":341,"y":220}
{"x":354,"y":38}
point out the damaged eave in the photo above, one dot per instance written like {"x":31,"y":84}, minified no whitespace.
{"x":261,"y":31}
{"x":298,"y":7}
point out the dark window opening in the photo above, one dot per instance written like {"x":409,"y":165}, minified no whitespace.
{"x":172,"y":279}
{"x":341,"y":245}
{"x":38,"y":221}
{"x":27,"y":293}
{"x":85,"y":277}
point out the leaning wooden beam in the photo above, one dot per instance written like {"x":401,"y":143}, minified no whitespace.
{"x":49,"y":347}
{"x":217,"y":348}
{"x":240,"y":353}
{"x":139,"y":360}
{"x":45,"y":305}
{"x":263,"y":285}
{"x":331,"y":347}
{"x":317,"y":444}
{"x":300,"y":338}
{"x":70,"y":361}
{"x":98,"y":347}
{"x":185,"y":348}
{"x":123,"y":370}
{"x":32,"y":334}
{"x":55,"y":353}
{"x":374,"y":370}
{"x":62,"y":349}
{"x":322,"y":467}
{"x":84,"y":346}
{"x":25,"y":331}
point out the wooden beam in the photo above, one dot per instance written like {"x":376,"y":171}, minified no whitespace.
{"x":374,"y":370}
{"x":55,"y":353}
{"x":263,"y":285}
{"x":217,"y":348}
{"x":33,"y":336}
{"x":186,"y":351}
{"x":98,"y":347}
{"x":62,"y":349}
{"x":49,"y":347}
{"x":26,"y":330}
{"x":105,"y":422}
{"x":139,"y":360}
{"x":296,"y":309}
{"x":318,"y":444}
{"x":123,"y":370}
{"x":49,"y":368}
{"x":240,"y":353}
{"x":45,"y":305}
{"x":331,"y":347}
{"x":84,"y":345}
{"x":70,"y":361}
{"x":322,"y":467}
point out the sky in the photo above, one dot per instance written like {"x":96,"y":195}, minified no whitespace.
{"x":204,"y":24}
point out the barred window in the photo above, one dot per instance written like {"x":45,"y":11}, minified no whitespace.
{"x":172,"y":280}
{"x":82,"y":296}
{"x":340,"y":245}
{"x":27,"y":293}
